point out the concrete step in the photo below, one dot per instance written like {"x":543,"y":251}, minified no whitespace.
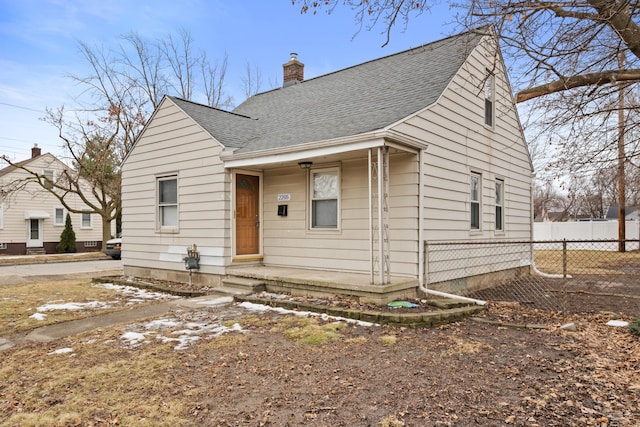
{"x":36,"y":251}
{"x":241,"y":286}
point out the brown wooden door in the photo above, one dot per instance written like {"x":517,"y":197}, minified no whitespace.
{"x":247,"y":214}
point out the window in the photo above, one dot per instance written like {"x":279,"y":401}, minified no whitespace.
{"x":58,"y":216}
{"x":168,"y":202}
{"x":325,"y":192}
{"x":90,"y":244}
{"x":3,"y":246}
{"x":489,"y":96}
{"x":475,"y":194}
{"x":48,"y":174}
{"x":86,"y":220}
{"x":499,"y":205}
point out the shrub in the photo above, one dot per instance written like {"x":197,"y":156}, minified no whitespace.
{"x":67,"y":238}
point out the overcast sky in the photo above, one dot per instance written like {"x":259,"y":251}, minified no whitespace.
{"x":39,"y":47}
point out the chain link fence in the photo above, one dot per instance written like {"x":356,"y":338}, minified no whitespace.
{"x":580,"y":276}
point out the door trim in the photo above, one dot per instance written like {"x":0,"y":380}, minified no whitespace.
{"x":35,"y":243}
{"x":249,"y":257}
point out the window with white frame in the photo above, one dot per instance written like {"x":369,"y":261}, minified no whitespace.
{"x":86,"y":221}
{"x":49,"y":175}
{"x":3,"y":246}
{"x":168,"y":202}
{"x":58,"y":216}
{"x":475,"y":195}
{"x":325,"y":194}
{"x":489,"y":99}
{"x":499,"y":204}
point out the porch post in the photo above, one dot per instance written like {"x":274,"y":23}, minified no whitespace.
{"x":380,"y":215}
{"x":371,"y":249}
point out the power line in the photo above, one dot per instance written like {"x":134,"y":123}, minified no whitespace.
{"x":18,"y":140}
{"x":22,"y":108}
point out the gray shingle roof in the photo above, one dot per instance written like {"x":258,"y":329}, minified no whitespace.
{"x":352,"y":101}
{"x":231,"y":130}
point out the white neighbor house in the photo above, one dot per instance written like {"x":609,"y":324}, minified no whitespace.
{"x":347,"y":172}
{"x":32,"y":219}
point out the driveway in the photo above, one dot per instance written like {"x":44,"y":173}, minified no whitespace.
{"x":11,"y":274}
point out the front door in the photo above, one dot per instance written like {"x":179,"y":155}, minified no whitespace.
{"x":247,"y":214}
{"x":34,"y":231}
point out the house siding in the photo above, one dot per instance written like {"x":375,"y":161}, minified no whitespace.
{"x":469,"y":146}
{"x":14,"y":231}
{"x":288,"y":241}
{"x":174,"y":144}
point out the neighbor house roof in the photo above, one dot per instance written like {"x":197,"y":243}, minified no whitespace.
{"x":10,"y":168}
{"x":352,"y":101}
{"x":612,"y":211}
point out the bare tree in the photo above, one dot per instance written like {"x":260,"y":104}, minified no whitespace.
{"x":252,"y":80}
{"x":579,"y":62}
{"x":118,"y":94}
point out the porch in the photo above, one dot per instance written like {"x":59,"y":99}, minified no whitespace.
{"x":320,"y":283}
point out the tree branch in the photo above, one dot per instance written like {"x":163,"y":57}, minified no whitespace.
{"x":592,"y":79}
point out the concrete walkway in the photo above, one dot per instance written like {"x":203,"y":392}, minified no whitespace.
{"x":59,"y":330}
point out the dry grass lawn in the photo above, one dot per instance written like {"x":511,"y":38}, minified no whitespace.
{"x":18,"y":302}
{"x":585,"y":261}
{"x":270,"y":369}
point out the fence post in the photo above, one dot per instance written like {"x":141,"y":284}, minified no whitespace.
{"x":425,"y":261}
{"x":564,"y":277}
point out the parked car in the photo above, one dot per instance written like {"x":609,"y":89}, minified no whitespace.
{"x":113,"y":248}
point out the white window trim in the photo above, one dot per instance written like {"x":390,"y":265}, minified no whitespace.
{"x":320,"y":169}
{"x":64,"y":216}
{"x":489,"y":85}
{"x":53,"y":177}
{"x":86,"y":227}
{"x":167,"y":228}
{"x":478,"y":202}
{"x":501,"y":205}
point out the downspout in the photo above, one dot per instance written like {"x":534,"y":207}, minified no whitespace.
{"x":421,"y":243}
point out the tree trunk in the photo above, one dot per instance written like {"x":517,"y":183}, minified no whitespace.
{"x":106,"y":232}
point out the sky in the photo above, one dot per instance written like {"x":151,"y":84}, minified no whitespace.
{"x":39,"y":47}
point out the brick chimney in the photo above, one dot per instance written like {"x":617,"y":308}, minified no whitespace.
{"x":293,"y":71}
{"x":35,"y":151}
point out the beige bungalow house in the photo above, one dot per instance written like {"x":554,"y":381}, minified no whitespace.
{"x":334,"y":184}
{"x":32,"y":219}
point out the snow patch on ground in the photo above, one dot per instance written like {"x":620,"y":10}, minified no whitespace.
{"x":38,"y":316}
{"x":132,"y":295}
{"x":185,"y":333}
{"x":136,"y":295}
{"x":263,"y":308}
{"x":61,"y":351}
{"x":133,"y":339}
{"x":74,"y":306}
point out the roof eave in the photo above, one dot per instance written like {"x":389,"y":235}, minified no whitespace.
{"x":374,"y":139}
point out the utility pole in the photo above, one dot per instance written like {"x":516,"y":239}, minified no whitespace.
{"x":621,"y":159}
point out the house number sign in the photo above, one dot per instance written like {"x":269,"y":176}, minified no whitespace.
{"x":284,"y":197}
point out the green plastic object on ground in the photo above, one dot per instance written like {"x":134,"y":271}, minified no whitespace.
{"x":406,"y":304}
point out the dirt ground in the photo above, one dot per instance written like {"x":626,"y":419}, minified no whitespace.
{"x":510,"y":366}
